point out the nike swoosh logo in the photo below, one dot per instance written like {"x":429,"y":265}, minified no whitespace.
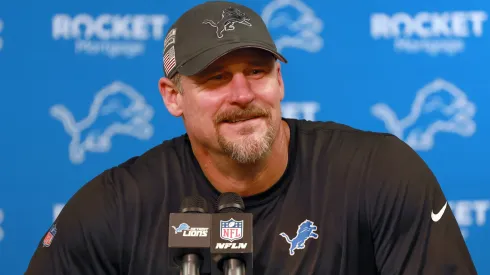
{"x":438,"y":216}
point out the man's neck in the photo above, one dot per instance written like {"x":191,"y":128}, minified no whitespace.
{"x":248,"y":179}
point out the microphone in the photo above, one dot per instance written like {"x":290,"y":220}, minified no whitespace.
{"x":189,"y":237}
{"x":232,"y":237}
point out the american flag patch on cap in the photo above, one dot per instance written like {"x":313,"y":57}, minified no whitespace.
{"x":169,"y":60}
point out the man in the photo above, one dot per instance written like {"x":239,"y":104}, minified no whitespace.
{"x":371,"y":203}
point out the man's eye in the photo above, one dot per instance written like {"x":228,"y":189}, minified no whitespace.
{"x":257,"y":71}
{"x":216,"y":77}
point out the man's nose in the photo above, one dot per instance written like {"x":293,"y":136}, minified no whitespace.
{"x":241,"y":92}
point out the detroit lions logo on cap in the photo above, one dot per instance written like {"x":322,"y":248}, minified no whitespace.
{"x":229,"y":17}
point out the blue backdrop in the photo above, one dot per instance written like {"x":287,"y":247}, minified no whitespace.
{"x":78,"y":82}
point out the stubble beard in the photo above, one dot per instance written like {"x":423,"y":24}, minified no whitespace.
{"x":249,"y":148}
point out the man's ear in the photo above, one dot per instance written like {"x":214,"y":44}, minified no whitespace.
{"x":171,"y":97}
{"x":279,"y":79}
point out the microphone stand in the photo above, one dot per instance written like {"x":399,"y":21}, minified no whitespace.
{"x":233,"y":267}
{"x":190,"y":265}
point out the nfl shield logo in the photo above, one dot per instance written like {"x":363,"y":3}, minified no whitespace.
{"x":231,"y":230}
{"x":48,"y":239}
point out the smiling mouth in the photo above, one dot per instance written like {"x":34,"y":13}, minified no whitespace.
{"x":236,"y":120}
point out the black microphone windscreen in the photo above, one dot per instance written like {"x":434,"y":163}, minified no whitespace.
{"x":230,"y":202}
{"x":194,"y":204}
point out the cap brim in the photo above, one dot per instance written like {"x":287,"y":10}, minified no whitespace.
{"x":203,"y":60}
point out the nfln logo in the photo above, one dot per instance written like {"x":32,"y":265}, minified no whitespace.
{"x":231,"y":245}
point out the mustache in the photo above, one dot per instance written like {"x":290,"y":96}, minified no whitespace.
{"x":241,"y":114}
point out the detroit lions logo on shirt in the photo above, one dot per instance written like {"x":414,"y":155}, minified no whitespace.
{"x":306,"y":230}
{"x":229,"y":17}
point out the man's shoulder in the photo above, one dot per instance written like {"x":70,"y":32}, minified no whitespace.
{"x":348,"y":143}
{"x":167,"y":157}
{"x":337,"y":131}
{"x":378,"y":155}
{"x":167,"y":152}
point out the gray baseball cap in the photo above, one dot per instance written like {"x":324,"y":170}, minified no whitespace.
{"x":210,"y":30}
